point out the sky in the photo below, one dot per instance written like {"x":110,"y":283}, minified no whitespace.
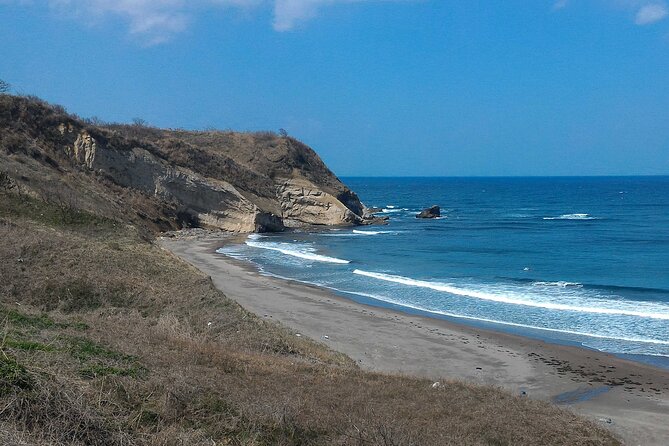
{"x":376,"y":87}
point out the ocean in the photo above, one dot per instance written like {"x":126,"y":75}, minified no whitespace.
{"x":582,"y":261}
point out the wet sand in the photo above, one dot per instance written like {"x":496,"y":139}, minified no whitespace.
{"x":630,"y":398}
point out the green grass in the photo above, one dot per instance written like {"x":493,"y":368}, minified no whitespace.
{"x":99,"y":370}
{"x":95,"y":359}
{"x":28,"y":345}
{"x":59,"y":215}
{"x":13,"y":376}
{"x":79,"y":326}
{"x":39,"y":322}
{"x":26,"y":320}
{"x":84,"y":349}
{"x":100,"y":361}
{"x":80,"y":348}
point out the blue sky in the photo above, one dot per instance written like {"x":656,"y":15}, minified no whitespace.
{"x":377,"y":87}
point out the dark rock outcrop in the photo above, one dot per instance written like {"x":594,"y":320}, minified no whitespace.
{"x":431,"y":212}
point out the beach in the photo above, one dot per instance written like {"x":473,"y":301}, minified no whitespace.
{"x":629,"y":398}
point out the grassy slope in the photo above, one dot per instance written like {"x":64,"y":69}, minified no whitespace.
{"x":108,"y":339}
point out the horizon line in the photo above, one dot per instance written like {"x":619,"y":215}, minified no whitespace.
{"x":508,"y":176}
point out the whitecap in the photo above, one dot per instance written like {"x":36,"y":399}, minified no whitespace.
{"x":356,"y":231}
{"x":572,"y":217}
{"x":559,"y":283}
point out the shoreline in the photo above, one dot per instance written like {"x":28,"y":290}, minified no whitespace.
{"x":629,"y":397}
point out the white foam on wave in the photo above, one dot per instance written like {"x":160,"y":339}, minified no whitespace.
{"x":572,"y":217}
{"x":494,"y":321}
{"x":559,"y":283}
{"x":493,"y":297}
{"x":356,"y":231}
{"x":295,"y":250}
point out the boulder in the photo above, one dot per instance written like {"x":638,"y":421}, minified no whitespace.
{"x":431,"y":212}
{"x":369,"y":212}
{"x":369,"y":217}
{"x":374,"y":220}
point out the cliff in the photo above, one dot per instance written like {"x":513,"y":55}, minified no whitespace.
{"x":167,"y":179}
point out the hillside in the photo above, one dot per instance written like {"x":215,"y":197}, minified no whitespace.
{"x":108,"y":339}
{"x":168,"y":179}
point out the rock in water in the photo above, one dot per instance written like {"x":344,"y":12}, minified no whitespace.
{"x":431,"y":212}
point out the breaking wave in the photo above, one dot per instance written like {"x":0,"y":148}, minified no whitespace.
{"x":506,"y":299}
{"x":559,"y":283}
{"x":295,"y":250}
{"x":356,"y":231}
{"x":399,"y":303}
{"x":572,"y":217}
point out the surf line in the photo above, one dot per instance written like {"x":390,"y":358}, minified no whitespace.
{"x":502,"y":299}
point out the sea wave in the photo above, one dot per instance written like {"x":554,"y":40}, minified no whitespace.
{"x":483,"y":295}
{"x":356,"y":231}
{"x":399,"y":303}
{"x":572,"y":217}
{"x":413,"y":306}
{"x":295,"y":250}
{"x":593,"y":286}
{"x":559,"y":283}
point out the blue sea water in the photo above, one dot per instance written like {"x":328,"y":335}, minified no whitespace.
{"x":571,"y":260}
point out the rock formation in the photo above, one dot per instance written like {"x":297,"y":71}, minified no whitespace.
{"x":233,"y":181}
{"x":431,"y":212}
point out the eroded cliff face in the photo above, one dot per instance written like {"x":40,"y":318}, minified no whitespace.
{"x":303,"y":202}
{"x":211,"y":202}
{"x":240,"y":182}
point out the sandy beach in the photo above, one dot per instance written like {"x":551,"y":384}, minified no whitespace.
{"x":631,"y":399}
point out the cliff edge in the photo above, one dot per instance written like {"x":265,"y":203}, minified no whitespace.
{"x":168,"y":179}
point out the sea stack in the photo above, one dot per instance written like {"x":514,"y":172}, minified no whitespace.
{"x":431,"y":212}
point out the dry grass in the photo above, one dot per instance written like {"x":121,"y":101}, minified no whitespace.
{"x":108,"y":339}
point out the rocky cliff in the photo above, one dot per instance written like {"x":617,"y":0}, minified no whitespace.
{"x":168,"y":179}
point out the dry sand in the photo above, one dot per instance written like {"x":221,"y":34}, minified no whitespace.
{"x":630,"y":398}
